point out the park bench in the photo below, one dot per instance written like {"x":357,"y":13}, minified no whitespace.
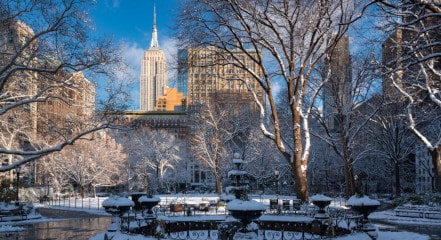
{"x":286,"y":205}
{"x":274,"y":205}
{"x":204,"y":207}
{"x":176,"y":207}
{"x":418,"y":212}
{"x":11,"y":213}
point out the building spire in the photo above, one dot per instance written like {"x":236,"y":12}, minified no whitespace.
{"x":154,"y":43}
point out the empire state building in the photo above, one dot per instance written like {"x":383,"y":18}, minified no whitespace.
{"x":153,"y":72}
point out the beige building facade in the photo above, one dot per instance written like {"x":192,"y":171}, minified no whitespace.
{"x":204,"y":72}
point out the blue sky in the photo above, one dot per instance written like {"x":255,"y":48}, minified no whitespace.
{"x":130,"y":23}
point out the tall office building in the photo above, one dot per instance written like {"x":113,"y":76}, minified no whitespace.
{"x":153,"y":73}
{"x":205,"y":72}
{"x":415,"y":45}
{"x":419,"y":33}
{"x":13,"y":35}
{"x":68,"y":107}
{"x":337,"y":91}
{"x":69,"y":98}
{"x":18,"y":124}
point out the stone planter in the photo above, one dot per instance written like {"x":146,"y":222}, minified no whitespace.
{"x":365,"y":206}
{"x":117,"y":206}
{"x":321,"y":201}
{"x":245,"y":211}
{"x":148,"y":203}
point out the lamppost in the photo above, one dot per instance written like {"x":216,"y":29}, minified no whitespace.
{"x":276,"y":173}
{"x":17,"y":171}
{"x":49,"y":178}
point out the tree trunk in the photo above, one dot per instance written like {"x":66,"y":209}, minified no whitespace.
{"x":349,"y":179}
{"x":218,"y":179}
{"x":94,"y":191}
{"x":298,"y":166}
{"x":436,"y":161}
{"x":300,"y":182}
{"x":83,"y":191}
{"x":146,"y":189}
{"x":397,"y":179}
{"x":218,"y":185}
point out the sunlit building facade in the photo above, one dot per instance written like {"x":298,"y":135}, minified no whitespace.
{"x":172,"y":100}
{"x":204,"y":72}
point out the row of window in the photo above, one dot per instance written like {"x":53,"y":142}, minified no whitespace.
{"x":424,"y":179}
{"x":423,"y":171}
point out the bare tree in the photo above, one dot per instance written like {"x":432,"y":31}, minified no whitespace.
{"x":219,"y":132}
{"x":394,"y":143}
{"x":290,"y":38}
{"x":178,"y":177}
{"x":14,"y":131}
{"x":163,"y":154}
{"x":152,"y":153}
{"x":348,"y":107}
{"x":42,"y":43}
{"x":257,"y":150}
{"x":89,"y":164}
{"x":411,"y":61}
{"x":325,"y":170}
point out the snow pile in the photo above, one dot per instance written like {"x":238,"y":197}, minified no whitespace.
{"x":227,"y":197}
{"x":9,"y":228}
{"x":362,"y":201}
{"x":320,"y":197}
{"x":236,"y":173}
{"x":117,"y":201}
{"x":251,"y":205}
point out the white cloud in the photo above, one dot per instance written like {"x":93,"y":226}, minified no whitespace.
{"x":169,"y":46}
{"x":132,"y":55}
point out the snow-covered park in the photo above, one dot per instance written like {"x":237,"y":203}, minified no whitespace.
{"x":94,"y":205}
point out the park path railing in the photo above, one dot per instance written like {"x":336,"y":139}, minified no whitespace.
{"x":418,"y":212}
{"x":89,"y":203}
{"x":276,"y":204}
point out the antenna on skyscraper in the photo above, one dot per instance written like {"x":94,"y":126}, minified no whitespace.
{"x":154,"y":14}
{"x":154,"y":43}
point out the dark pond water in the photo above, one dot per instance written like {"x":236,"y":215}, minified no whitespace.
{"x":83,"y":227}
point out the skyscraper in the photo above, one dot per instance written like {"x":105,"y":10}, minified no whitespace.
{"x":337,"y":91}
{"x":153,"y":72}
{"x":206,"y":72}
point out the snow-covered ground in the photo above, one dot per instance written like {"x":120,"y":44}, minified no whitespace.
{"x":92,"y":205}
